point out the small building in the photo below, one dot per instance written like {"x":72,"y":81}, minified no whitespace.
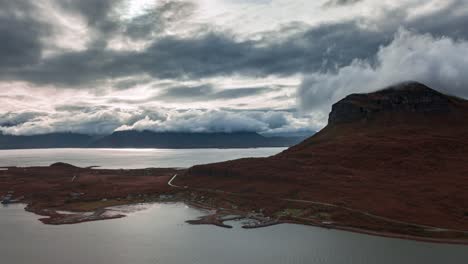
{"x":75,"y":195}
{"x":6,"y":199}
{"x":165,"y":196}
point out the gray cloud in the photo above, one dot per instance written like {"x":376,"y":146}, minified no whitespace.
{"x":14,"y":119}
{"x":21,"y":34}
{"x":130,"y":83}
{"x":105,"y":121}
{"x":410,"y":56}
{"x":212,"y":53}
{"x":103,"y":17}
{"x":448,"y":21}
{"x":100,"y":17}
{"x":156,"y":20}
{"x":332,"y":3}
{"x":94,"y":11}
{"x":208,"y":92}
{"x":185,"y":92}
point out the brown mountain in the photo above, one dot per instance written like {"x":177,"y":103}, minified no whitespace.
{"x":400,"y":153}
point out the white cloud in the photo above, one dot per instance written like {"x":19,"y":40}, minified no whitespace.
{"x":437,"y":62}
{"x":221,"y":121}
{"x":106,"y":121}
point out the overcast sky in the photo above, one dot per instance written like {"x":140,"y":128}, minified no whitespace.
{"x":97,"y":66}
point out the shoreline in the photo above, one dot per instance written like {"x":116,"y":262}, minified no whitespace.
{"x":50,"y":219}
{"x":331,"y":225}
{"x":386,"y":234}
{"x":88,"y":193}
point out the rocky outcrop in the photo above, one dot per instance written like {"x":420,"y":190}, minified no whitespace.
{"x":409,"y":97}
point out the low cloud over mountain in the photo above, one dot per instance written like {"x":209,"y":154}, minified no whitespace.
{"x":106,"y":121}
{"x":410,"y":56}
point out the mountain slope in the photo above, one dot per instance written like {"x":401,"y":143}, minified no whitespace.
{"x":147,"y":139}
{"x":53,"y":140}
{"x":400,"y":152}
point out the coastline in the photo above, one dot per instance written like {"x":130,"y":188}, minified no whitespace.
{"x":351,"y":227}
{"x":91,"y":192}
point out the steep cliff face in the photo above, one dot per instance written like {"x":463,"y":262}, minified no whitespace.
{"x":409,"y":97}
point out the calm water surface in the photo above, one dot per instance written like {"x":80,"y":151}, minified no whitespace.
{"x":159,"y":235}
{"x":128,"y":158}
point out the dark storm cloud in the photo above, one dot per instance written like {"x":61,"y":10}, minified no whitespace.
{"x":20,"y":34}
{"x":319,"y":48}
{"x":207,"y":53}
{"x":212,"y":54}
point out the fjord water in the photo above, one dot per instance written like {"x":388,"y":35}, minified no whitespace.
{"x":128,"y":158}
{"x":159,"y":234}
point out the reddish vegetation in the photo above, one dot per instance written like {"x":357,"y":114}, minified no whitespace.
{"x":46,"y":189}
{"x":400,"y":153}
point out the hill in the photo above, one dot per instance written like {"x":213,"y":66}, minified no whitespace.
{"x":399,"y":153}
{"x":52,"y":140}
{"x":148,"y":139}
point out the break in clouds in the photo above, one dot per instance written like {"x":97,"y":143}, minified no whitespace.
{"x":98,"y":66}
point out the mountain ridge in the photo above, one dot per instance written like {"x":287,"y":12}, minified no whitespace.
{"x":409,"y":98}
{"x":147,"y":139}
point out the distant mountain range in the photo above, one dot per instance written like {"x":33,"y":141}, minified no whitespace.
{"x":149,"y":139}
{"x":53,"y":140}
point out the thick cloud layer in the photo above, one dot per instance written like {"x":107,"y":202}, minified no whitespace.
{"x":437,"y":62}
{"x":204,"y":52}
{"x":21,"y":34}
{"x":106,"y":121}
